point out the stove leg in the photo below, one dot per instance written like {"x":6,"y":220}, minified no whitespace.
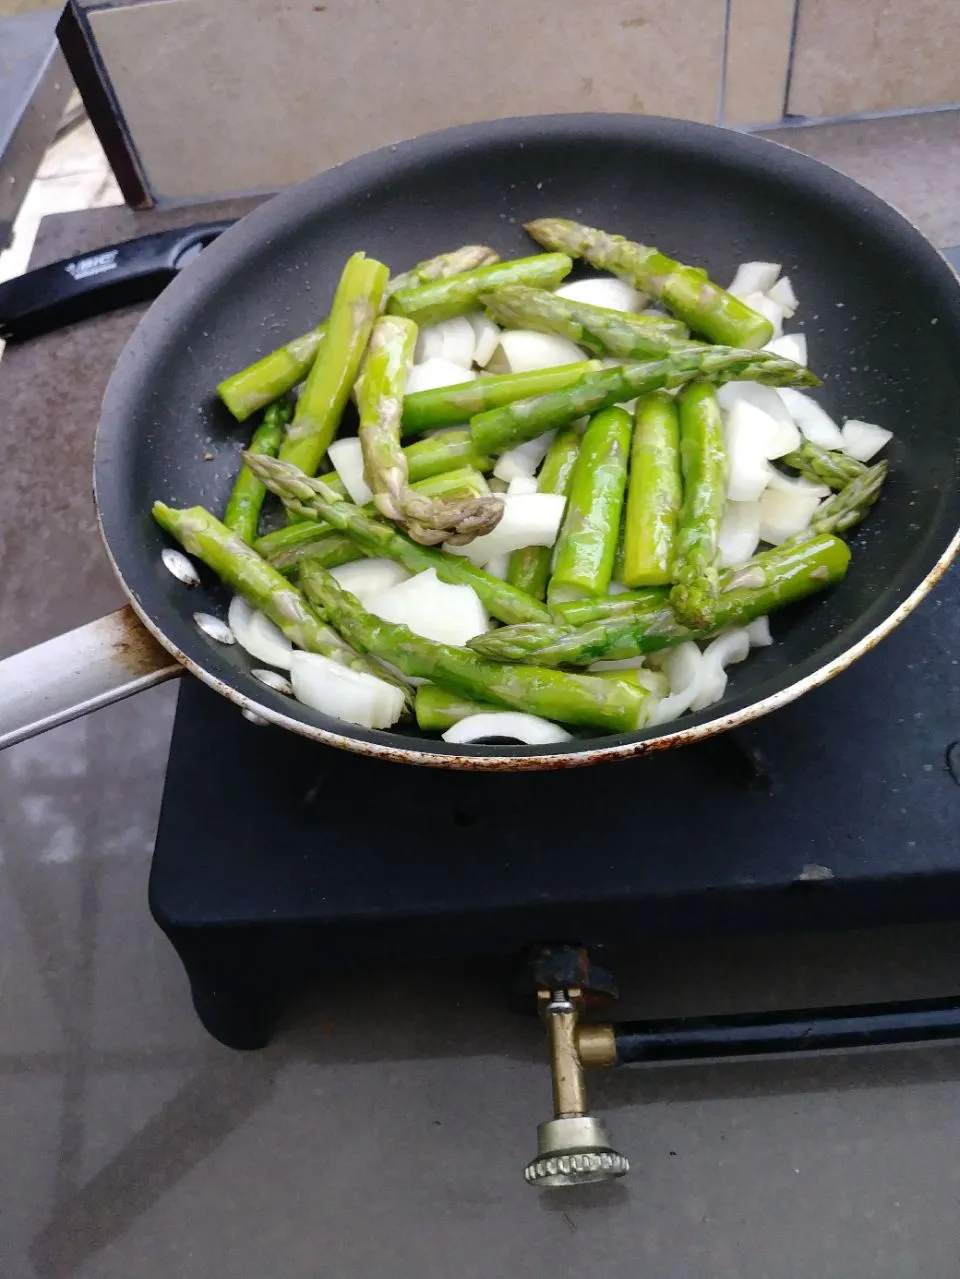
{"x":233,"y":991}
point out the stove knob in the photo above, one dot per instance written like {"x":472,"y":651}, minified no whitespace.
{"x":573,"y":1151}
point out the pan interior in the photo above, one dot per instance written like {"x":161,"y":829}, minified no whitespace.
{"x":879,"y":306}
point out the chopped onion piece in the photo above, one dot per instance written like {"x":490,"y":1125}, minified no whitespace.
{"x":353,"y":696}
{"x":682,"y":666}
{"x":435,"y":373}
{"x":436,"y":610}
{"x":486,"y":336}
{"x":724,"y":651}
{"x":791,"y":346}
{"x":784,"y":513}
{"x":607,"y":291}
{"x":257,"y":635}
{"x":523,"y":351}
{"x":429,"y":344}
{"x":524,"y":459}
{"x":786,"y":437}
{"x":273,"y":679}
{"x":748,"y":471}
{"x":531,"y":730}
{"x":796,"y":484}
{"x":522,"y":484}
{"x":782,"y":293}
{"x":459,"y":341}
{"x":758,"y":632}
{"x":748,"y":577}
{"x":499,"y":566}
{"x":814,"y":422}
{"x":754,"y":277}
{"x":529,"y":519}
{"x":176,"y":562}
{"x":346,"y":458}
{"x":863,"y":440}
{"x":214,"y":628}
{"x":760,"y":303}
{"x":739,"y":532}
{"x":367,"y":579}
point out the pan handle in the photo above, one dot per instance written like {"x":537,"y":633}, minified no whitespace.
{"x":78,"y":672}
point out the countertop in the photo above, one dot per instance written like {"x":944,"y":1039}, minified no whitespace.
{"x":384,"y":1132}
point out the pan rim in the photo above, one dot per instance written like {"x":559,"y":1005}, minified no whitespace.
{"x":273,"y":214}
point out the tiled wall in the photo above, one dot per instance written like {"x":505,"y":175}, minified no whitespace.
{"x":240,"y":95}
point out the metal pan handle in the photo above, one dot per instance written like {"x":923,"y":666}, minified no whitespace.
{"x":79,"y":672}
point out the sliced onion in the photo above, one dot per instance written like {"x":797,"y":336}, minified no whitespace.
{"x":458,"y":341}
{"x":273,"y":679}
{"x":782,"y":514}
{"x":435,"y":373}
{"x":176,"y":562}
{"x":436,"y":610}
{"x":748,"y":471}
{"x":796,"y":484}
{"x":528,"y":520}
{"x":524,"y":459}
{"x":522,"y":484}
{"x":523,"y":351}
{"x":758,"y":632}
{"x":615,"y":295}
{"x":724,"y":651}
{"x":367,"y":579}
{"x":760,"y":303}
{"x":429,"y":344}
{"x":346,"y":458}
{"x":786,"y":437}
{"x":531,"y":730}
{"x":353,"y":696}
{"x":790,"y":346}
{"x":682,"y":666}
{"x":782,"y":293}
{"x":754,"y":277}
{"x":814,"y":422}
{"x":739,"y":532}
{"x":499,"y":566}
{"x":214,"y":628}
{"x":486,"y":337}
{"x":258,"y":635}
{"x":864,"y":440}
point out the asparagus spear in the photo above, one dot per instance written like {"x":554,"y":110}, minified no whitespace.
{"x":500,"y":429}
{"x":847,"y":507}
{"x":824,"y":466}
{"x":283,"y":545}
{"x":602,"y":331}
{"x":580,"y":612}
{"x":313,"y":498}
{"x":281,"y":370}
{"x":443,"y":299}
{"x":450,"y":405}
{"x":777,"y":577}
{"x":588,"y":539}
{"x":379,"y":391}
{"x":437,"y":710}
{"x":616,"y":706}
{"x":704,"y":462}
{"x":322,"y":400}
{"x":248,"y":575}
{"x":243,"y":509}
{"x":655,"y":493}
{"x":687,"y":291}
{"x":529,"y":569}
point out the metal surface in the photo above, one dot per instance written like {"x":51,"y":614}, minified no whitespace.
{"x":78,"y":672}
{"x":162,"y":435}
{"x":34,"y":87}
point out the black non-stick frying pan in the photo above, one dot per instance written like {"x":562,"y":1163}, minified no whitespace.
{"x":880,"y":305}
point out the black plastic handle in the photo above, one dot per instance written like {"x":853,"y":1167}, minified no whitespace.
{"x":92,"y":283}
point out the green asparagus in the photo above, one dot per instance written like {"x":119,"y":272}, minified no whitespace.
{"x":242,"y":569}
{"x":848,"y":506}
{"x":443,"y":299}
{"x":503,"y":428}
{"x":654,"y":495}
{"x":283,"y":545}
{"x":580,"y":612}
{"x":314,"y":499}
{"x":379,"y":392}
{"x":587,"y":543}
{"x":451,"y":405}
{"x":687,"y":291}
{"x":437,"y":710}
{"x":329,"y":382}
{"x":529,"y":569}
{"x":823,"y":466}
{"x":281,"y":370}
{"x":615,"y":706}
{"x":243,"y":509}
{"x":704,"y":463}
{"x":602,"y":331}
{"x":772,"y":579}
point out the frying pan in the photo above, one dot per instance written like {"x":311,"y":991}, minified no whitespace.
{"x":881,"y":307}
